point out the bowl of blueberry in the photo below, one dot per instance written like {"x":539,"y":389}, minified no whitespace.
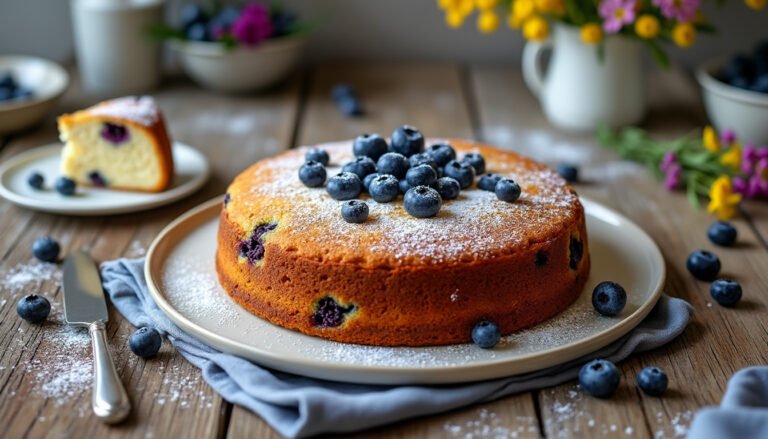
{"x":29,"y":89}
{"x":735,"y":93}
{"x":237,"y":49}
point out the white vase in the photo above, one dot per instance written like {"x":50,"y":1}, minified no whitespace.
{"x":579,"y":91}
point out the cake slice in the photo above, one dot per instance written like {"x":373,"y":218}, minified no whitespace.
{"x":120,"y":144}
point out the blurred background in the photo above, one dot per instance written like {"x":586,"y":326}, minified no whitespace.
{"x":374,"y":30}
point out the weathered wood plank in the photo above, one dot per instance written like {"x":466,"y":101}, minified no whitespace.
{"x":720,"y":340}
{"x":169,"y":396}
{"x":430,"y":97}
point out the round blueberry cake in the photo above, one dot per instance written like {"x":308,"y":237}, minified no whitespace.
{"x":507,"y":244}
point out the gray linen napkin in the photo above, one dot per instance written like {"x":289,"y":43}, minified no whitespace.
{"x":297,"y":406}
{"x":743,"y":412}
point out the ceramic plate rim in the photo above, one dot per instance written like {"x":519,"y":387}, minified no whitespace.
{"x":168,"y":196}
{"x":398,"y":375}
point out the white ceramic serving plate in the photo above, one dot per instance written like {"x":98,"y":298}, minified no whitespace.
{"x":47,"y":80}
{"x":191,"y":171}
{"x":182,"y":280}
{"x":728,"y":107}
{"x":240,"y":69}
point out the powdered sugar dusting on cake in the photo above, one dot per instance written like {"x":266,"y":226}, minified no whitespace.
{"x":139,"y":109}
{"x":476,"y":225}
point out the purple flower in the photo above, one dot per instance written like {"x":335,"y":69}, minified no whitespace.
{"x":680,"y":10}
{"x":753,"y":187}
{"x":761,"y":169}
{"x":253,"y":25}
{"x":740,"y":185}
{"x":762,"y":152}
{"x":616,"y":13}
{"x":728,"y":136}
{"x":674,"y":177}
{"x":669,"y":159}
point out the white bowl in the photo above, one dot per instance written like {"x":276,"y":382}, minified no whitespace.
{"x":47,"y":80}
{"x":743,"y":111}
{"x":240,"y":69}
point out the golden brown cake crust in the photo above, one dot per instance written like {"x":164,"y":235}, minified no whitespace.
{"x":407,"y":281}
{"x":138,"y":113}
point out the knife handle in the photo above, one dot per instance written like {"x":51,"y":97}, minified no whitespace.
{"x":110,"y":401}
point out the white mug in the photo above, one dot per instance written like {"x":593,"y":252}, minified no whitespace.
{"x":579,"y":91}
{"x":115,"y":54}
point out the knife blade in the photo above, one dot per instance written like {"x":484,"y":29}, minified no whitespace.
{"x":85,"y":305}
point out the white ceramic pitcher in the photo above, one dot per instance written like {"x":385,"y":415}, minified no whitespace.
{"x":579,"y":91}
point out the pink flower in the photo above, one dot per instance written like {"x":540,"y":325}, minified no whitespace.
{"x":669,"y":159}
{"x":616,"y":13}
{"x":728,"y":136}
{"x":674,"y":177}
{"x":680,"y":10}
{"x":253,"y":25}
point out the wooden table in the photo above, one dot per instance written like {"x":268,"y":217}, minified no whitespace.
{"x":43,"y":391}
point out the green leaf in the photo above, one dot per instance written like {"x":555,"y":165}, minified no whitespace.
{"x":658,"y":54}
{"x":162,"y":32}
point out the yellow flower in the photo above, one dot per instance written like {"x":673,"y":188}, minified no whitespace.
{"x":722,"y":200}
{"x":756,"y":4}
{"x":448,"y":5}
{"x":521,"y":11}
{"x":732,"y":158}
{"x":684,"y":35}
{"x":454,"y":18}
{"x":487,"y":21}
{"x":485,"y":5}
{"x":536,"y":29}
{"x":647,"y":26}
{"x":555,"y":7}
{"x":591,"y":33}
{"x":710,"y":140}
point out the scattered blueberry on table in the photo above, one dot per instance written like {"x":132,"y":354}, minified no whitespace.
{"x":726,"y":292}
{"x":569,"y":172}
{"x":486,"y":334}
{"x":33,"y":308}
{"x":652,"y":381}
{"x":599,"y":378}
{"x":344,"y":186}
{"x":423,"y":158}
{"x":722,"y":233}
{"x":36,"y":180}
{"x":318,"y":155}
{"x":703,"y":265}
{"x":368,"y":179}
{"x":507,"y":190}
{"x":404,"y":186}
{"x":65,"y":186}
{"x":422,"y":202}
{"x":46,"y":249}
{"x":354,"y":211}
{"x":312,"y":173}
{"x":384,"y":188}
{"x":145,"y":342}
{"x":609,"y":298}
{"x":347,"y":100}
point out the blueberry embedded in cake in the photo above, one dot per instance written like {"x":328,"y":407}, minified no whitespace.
{"x":121,"y":143}
{"x":329,"y":313}
{"x":252,"y":248}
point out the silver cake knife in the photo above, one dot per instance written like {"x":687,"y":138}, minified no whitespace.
{"x":85,"y":305}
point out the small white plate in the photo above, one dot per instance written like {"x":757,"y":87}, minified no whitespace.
{"x":191,"y":171}
{"x":181,"y":275}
